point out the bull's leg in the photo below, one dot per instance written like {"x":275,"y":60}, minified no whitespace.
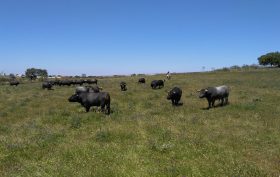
{"x":87,"y":108}
{"x":226,"y":100}
{"x":222,"y":104}
{"x":209,"y":104}
{"x":213,"y":103}
{"x":108,"y":109}
{"x":173,"y":102}
{"x":102,"y":107}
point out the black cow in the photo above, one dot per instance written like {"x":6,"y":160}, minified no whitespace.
{"x":123,"y":86}
{"x":55,"y":82}
{"x":215,"y":93}
{"x":65,"y":82}
{"x":91,"y":81}
{"x":78,"y":82}
{"x":157,"y":83}
{"x":47,"y":85}
{"x":14,"y":82}
{"x":174,"y":95}
{"x":142,"y":80}
{"x":89,"y":99}
{"x":51,"y":81}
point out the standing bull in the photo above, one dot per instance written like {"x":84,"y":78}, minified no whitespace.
{"x":89,"y":99}
{"x":174,"y":95}
{"x":157,"y":83}
{"x":214,"y":93}
{"x":47,"y":85}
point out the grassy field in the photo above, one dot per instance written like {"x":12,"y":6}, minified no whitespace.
{"x":42,"y":134}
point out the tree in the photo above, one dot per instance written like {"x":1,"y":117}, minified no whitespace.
{"x":33,"y":73}
{"x":272,"y":59}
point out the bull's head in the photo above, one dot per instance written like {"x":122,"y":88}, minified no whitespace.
{"x":74,"y":98}
{"x":202,"y":93}
{"x":170,"y":94}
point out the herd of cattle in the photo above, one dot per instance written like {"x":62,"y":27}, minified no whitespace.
{"x":89,"y":96}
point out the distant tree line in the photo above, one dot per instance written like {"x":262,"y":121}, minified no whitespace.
{"x":240,"y":68}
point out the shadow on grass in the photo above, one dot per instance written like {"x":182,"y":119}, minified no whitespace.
{"x":178,"y":105}
{"x":215,"y":106}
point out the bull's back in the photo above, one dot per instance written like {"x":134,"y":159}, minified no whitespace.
{"x":97,"y":98}
{"x":223,"y":90}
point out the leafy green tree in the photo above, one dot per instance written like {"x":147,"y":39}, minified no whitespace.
{"x":33,"y":73}
{"x":272,"y":59}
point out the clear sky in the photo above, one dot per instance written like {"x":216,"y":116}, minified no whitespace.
{"x":105,"y":37}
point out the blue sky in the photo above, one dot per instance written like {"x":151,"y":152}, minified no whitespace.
{"x":95,"y":37}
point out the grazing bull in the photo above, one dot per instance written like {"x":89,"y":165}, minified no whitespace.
{"x":123,"y":86}
{"x":157,"y":83}
{"x":174,"y":95}
{"x":141,"y":81}
{"x":214,"y":93}
{"x":14,"y":82}
{"x":89,"y":99}
{"x":47,"y":85}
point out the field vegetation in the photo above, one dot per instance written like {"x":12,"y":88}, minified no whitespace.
{"x":42,"y":134}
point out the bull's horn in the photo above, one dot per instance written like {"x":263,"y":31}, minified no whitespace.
{"x":198,"y":90}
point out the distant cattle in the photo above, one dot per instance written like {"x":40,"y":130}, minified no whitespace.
{"x":65,"y":82}
{"x":78,"y":82}
{"x":174,"y":95}
{"x":54,"y":82}
{"x":141,"y":81}
{"x":89,"y":99}
{"x":14,"y":82}
{"x":91,"y":81}
{"x":215,"y":93}
{"x":47,"y":85}
{"x":123,"y":86}
{"x":157,"y":84}
{"x":168,"y":75}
